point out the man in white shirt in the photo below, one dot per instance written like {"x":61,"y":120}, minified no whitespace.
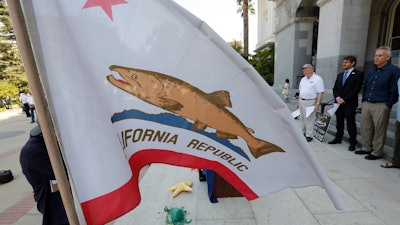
{"x":31,"y":104}
{"x":311,"y":89}
{"x":25,"y":103}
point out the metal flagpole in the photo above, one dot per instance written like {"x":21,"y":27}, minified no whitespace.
{"x":43,"y":113}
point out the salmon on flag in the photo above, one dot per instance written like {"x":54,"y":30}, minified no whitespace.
{"x":135,"y":82}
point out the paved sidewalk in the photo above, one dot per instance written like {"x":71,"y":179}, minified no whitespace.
{"x":16,"y":200}
{"x":371,"y":194}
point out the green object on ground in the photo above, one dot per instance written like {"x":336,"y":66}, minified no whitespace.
{"x":176,"y":216}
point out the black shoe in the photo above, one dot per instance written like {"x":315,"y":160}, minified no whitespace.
{"x":202,"y":176}
{"x":361,"y":152}
{"x":335,"y":141}
{"x":32,"y":121}
{"x":372,"y":157}
{"x":352,"y":147}
{"x":309,"y":139}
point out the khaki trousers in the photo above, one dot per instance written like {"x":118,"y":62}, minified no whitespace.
{"x":374,"y":123}
{"x":307,"y":124}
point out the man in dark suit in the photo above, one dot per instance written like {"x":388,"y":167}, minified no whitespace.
{"x":347,"y":86}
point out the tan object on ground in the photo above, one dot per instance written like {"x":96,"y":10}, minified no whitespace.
{"x":180,"y":187}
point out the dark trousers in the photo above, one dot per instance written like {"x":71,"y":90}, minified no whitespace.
{"x":348,"y":114}
{"x":396,"y":153}
{"x":32,"y":112}
{"x":26,"y":109}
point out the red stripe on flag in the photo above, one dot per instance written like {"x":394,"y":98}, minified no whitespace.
{"x":108,"y":207}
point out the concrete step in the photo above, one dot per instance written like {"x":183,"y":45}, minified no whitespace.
{"x":328,"y":97}
{"x":388,"y":149}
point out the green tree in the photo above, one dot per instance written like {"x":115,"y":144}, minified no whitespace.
{"x":6,"y":28}
{"x":7,"y":89}
{"x":263,"y":62}
{"x":17,"y":77}
{"x":237,"y":45}
{"x":244,"y":7}
{"x":11,"y":67}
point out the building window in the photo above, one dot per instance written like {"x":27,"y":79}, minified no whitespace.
{"x":395,"y":37}
{"x":394,"y":33}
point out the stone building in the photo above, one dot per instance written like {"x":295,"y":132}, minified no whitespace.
{"x":323,"y":32}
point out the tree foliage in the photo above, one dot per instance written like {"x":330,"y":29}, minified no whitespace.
{"x":5,"y":20}
{"x":251,"y":8}
{"x":12,"y":72}
{"x":263,"y":62}
{"x":244,"y":7}
{"x":7,"y":89}
{"x":237,"y":45}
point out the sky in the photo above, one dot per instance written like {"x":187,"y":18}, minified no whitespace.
{"x":222,"y":17}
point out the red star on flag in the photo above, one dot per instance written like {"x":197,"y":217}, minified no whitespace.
{"x":104,"y":4}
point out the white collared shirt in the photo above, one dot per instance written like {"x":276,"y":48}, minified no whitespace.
{"x":310,"y":87}
{"x":349,"y":72}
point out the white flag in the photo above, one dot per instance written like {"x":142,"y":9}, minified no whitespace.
{"x":135,"y":82}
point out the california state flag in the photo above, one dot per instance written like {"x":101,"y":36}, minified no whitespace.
{"x":135,"y":82}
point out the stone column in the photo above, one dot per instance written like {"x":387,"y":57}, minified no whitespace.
{"x":343,"y":30}
{"x":294,"y":39}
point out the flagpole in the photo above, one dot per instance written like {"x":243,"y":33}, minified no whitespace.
{"x":42,"y":111}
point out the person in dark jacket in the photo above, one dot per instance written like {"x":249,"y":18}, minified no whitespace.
{"x":347,"y":86}
{"x":36,"y":167}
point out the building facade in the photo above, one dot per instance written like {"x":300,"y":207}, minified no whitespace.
{"x":323,"y":32}
{"x":266,"y":23}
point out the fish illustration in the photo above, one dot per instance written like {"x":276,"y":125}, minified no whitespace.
{"x":179,"y":97}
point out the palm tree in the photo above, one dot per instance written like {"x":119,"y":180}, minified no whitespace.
{"x":237,"y":45}
{"x":244,"y":7}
